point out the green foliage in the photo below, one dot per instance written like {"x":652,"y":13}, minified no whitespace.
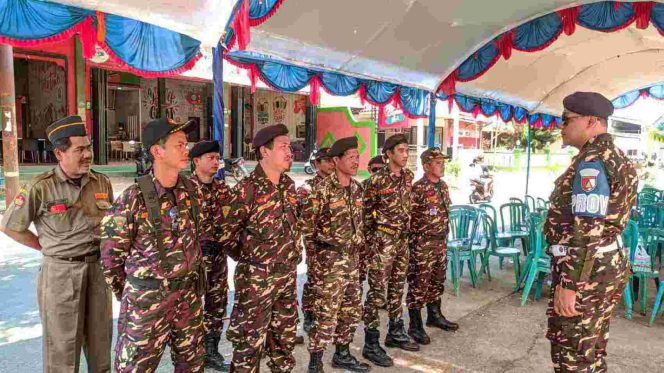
{"x":454,"y":168}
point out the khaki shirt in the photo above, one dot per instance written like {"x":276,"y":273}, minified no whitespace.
{"x":66,"y":216}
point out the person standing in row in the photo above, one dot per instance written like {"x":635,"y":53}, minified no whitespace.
{"x":429,"y":226}
{"x":324,"y":167}
{"x":67,"y":204}
{"x":259,"y":228}
{"x":387,"y":216}
{"x":590,"y":207}
{"x":214,"y":192}
{"x":333,"y":228}
{"x":375,"y":164}
{"x":152,"y":259}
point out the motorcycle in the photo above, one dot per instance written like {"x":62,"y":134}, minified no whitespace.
{"x":142,"y":160}
{"x":482,"y":188}
{"x":309,"y":167}
{"x":235,"y":168}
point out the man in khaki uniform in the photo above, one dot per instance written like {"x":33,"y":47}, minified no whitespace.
{"x":67,"y":204}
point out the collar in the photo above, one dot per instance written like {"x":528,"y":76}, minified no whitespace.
{"x":63,"y":178}
{"x":428,"y":181}
{"x":198,"y":180}
{"x":386,"y":169}
{"x":599,"y":139}
{"x":262,"y":177}
{"x":161,"y":191}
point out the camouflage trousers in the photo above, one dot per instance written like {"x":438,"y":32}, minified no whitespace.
{"x":264,"y":313}
{"x":338,"y":299}
{"x":308,"y":290}
{"x":365,"y":252}
{"x":150,"y":319}
{"x":427,"y":270}
{"x":216,"y":293}
{"x":578,"y":344}
{"x":386,"y":269}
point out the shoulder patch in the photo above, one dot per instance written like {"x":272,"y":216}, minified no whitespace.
{"x":590,"y":190}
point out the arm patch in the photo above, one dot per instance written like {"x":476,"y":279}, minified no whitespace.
{"x":590,"y":190}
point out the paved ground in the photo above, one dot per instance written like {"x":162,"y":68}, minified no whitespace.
{"x":496,"y":335}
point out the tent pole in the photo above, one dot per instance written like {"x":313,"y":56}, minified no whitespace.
{"x":431,"y":136}
{"x":218,"y":100}
{"x":528,"y":162}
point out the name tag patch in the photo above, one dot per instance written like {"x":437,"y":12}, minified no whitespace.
{"x":590,"y":190}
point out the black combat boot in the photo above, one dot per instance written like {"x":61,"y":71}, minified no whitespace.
{"x":397,"y":337}
{"x":213,"y":358}
{"x":436,"y":319}
{"x":416,"y":329}
{"x":343,"y":359}
{"x":315,"y":362}
{"x":372,"y":350}
{"x":308,"y":321}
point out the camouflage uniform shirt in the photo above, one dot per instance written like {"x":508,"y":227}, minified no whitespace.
{"x":129,"y":245}
{"x":213,"y":196}
{"x":259,"y":221}
{"x":429,"y":209}
{"x":584,"y":213}
{"x":389,"y":196}
{"x":335,"y":216}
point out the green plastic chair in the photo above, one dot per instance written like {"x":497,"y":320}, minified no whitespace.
{"x":498,"y":251}
{"x":539,"y":264}
{"x":515,"y":200}
{"x":463,"y":230}
{"x":658,"y":308}
{"x":630,"y":238}
{"x":530,"y":203}
{"x":514,"y":224}
{"x":542,"y":203}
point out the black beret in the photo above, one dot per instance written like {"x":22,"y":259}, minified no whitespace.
{"x":431,"y":154}
{"x":322,"y":153}
{"x":393,"y":141}
{"x":340,"y":146}
{"x":204,"y":147}
{"x":66,"y":127}
{"x":589,"y":103}
{"x":160,"y":128}
{"x":377,"y":160}
{"x":268,"y":133}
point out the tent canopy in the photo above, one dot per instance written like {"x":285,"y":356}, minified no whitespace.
{"x":420,"y":43}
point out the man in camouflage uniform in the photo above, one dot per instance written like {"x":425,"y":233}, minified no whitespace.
{"x":589,"y":209}
{"x":428,"y":247}
{"x":333,"y":228}
{"x":152,"y":259}
{"x":324,"y":167}
{"x":375,"y":164}
{"x":259,"y":231}
{"x":214,"y":193}
{"x":387,"y":217}
{"x":67,"y":204}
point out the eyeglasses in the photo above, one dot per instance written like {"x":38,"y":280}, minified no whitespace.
{"x":374,"y":169}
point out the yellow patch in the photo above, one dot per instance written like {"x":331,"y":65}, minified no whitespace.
{"x":225,"y":210}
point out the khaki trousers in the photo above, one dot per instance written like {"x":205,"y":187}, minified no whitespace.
{"x":76,"y":311}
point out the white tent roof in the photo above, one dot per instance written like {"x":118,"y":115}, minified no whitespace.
{"x":418,"y":43}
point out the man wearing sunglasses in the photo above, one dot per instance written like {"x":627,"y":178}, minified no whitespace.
{"x":67,"y":204}
{"x":152,"y":259}
{"x":324,"y":167}
{"x":259,"y":225}
{"x":214,"y":193}
{"x":428,"y":247}
{"x":588,"y":211}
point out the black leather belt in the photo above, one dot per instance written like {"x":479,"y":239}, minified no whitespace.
{"x":172,"y":284}
{"x":88,"y":258}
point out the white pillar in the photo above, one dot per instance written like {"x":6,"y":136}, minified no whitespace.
{"x":455,"y":132}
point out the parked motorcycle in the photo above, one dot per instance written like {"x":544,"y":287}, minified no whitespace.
{"x":309,"y":167}
{"x":234,"y":167}
{"x":142,"y":159}
{"x":482,"y":188}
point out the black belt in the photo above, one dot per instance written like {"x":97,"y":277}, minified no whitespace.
{"x":88,"y":258}
{"x":172,"y":284}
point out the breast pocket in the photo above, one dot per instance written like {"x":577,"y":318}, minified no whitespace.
{"x":58,"y":216}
